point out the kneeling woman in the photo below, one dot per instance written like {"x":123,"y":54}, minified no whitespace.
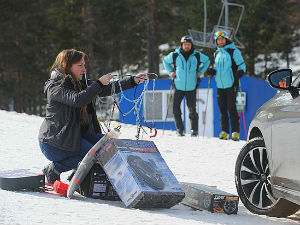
{"x":71,"y":127}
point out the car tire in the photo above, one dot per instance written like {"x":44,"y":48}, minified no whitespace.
{"x":252,"y":180}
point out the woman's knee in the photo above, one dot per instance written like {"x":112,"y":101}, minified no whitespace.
{"x":53,"y":153}
{"x":92,"y":137}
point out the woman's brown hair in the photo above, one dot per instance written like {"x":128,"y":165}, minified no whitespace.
{"x":63,"y":63}
{"x":65,"y":59}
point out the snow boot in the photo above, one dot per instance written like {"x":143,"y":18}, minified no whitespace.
{"x":180,"y":132}
{"x":224,"y":135}
{"x":194,"y":133}
{"x":235,"y":136}
{"x":51,"y":174}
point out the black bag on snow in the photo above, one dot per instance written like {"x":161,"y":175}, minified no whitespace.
{"x":97,"y":185}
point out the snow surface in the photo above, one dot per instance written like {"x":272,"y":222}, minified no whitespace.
{"x":200,"y":160}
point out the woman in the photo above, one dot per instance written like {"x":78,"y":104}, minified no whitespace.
{"x":229,"y":68}
{"x":71,"y":127}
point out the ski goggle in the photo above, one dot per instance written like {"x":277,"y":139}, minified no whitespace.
{"x":220,"y":34}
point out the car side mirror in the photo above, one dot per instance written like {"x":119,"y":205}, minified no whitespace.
{"x":280,"y":79}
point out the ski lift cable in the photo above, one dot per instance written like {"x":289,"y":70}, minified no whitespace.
{"x":204,"y":25}
{"x":225,"y":5}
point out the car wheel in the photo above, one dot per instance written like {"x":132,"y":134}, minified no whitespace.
{"x":252,"y":179}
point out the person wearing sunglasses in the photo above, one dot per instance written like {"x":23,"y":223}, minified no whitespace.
{"x":229,"y":67}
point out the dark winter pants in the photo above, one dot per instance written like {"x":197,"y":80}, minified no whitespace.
{"x":191,"y":104}
{"x":64,"y":160}
{"x":227,"y":103}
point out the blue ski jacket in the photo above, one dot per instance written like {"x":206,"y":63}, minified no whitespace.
{"x":223,"y":65}
{"x":186,"y":70}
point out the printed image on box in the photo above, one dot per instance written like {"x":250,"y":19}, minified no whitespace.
{"x":145,"y":172}
{"x":139,"y":174}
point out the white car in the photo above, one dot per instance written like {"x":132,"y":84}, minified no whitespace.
{"x":267,"y":172}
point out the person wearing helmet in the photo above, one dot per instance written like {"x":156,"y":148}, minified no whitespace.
{"x":185,"y":65}
{"x":229,"y":67}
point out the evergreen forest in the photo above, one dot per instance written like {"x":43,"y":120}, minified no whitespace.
{"x":125,"y":36}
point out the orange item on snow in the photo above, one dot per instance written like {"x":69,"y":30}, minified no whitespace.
{"x":60,"y":188}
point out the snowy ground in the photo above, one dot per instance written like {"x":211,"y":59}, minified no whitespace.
{"x":198,"y":160}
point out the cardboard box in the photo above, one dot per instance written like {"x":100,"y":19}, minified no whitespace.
{"x":139,"y":174}
{"x":203,"y":197}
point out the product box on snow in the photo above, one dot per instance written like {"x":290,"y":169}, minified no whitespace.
{"x":203,"y":197}
{"x":139,"y":174}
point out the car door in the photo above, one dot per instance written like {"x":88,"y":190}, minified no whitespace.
{"x":286,"y":139}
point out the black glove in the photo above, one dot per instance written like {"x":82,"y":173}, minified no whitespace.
{"x":210,"y":72}
{"x":239,"y":73}
{"x":198,"y":82}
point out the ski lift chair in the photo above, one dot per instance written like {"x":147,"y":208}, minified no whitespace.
{"x":204,"y":39}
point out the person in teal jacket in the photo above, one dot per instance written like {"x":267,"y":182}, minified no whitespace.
{"x":185,"y":65}
{"x":229,"y":67}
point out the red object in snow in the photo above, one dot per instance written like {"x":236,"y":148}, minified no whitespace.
{"x":60,"y":188}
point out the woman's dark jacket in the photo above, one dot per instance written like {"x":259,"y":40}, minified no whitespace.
{"x":62,"y":126}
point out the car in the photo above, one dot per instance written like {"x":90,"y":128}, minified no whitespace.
{"x":267,"y":170}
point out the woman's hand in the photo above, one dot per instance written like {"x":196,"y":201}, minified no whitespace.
{"x":138,"y":79}
{"x":105,"y":79}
